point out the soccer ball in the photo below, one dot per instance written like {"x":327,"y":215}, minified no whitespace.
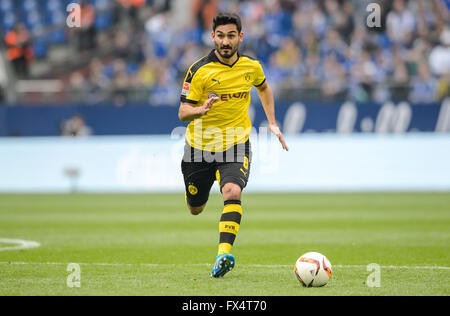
{"x":313,"y":269}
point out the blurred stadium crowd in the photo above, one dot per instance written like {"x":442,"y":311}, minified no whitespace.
{"x":139,"y":50}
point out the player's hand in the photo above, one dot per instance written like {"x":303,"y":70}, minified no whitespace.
{"x":208,"y":105}
{"x":276,"y":130}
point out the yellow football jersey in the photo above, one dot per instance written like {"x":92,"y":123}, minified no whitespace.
{"x":228,"y":122}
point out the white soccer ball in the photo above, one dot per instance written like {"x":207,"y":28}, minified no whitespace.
{"x":313,"y":269}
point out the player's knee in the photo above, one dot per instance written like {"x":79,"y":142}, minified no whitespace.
{"x":231,"y":191}
{"x":195,"y":210}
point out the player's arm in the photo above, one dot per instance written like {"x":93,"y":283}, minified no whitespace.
{"x":188,"y":112}
{"x":266,"y":96}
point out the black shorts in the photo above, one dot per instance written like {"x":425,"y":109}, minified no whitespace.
{"x":232,"y":166}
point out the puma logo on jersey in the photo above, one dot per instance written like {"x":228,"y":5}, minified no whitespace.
{"x":215,"y":80}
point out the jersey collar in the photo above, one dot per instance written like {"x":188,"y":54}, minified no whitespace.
{"x":214,"y":58}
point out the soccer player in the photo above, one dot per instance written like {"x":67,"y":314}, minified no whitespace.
{"x":215,"y":99}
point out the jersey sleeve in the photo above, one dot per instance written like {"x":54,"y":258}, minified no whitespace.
{"x":192,"y":88}
{"x":260,"y":78}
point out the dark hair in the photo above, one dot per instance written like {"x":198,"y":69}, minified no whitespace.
{"x":227,"y":18}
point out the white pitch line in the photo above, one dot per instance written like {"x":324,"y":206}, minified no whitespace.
{"x":21,"y":244}
{"x":358,"y":267}
{"x":155,"y":265}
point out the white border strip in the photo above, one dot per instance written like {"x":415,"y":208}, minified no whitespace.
{"x":21,"y":244}
{"x":155,"y":265}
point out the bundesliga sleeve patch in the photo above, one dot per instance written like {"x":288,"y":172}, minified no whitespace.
{"x":186,"y":88}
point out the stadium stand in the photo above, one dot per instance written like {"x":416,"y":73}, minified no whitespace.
{"x":138,"y":50}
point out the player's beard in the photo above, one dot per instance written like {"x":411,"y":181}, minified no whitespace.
{"x":232,"y":50}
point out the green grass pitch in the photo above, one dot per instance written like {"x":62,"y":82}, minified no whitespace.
{"x":142,"y":244}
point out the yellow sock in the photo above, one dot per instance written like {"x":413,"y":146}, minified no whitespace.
{"x":229,"y":225}
{"x":224,"y":248}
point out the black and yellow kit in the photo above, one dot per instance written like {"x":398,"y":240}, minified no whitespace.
{"x":229,"y":116}
{"x":217,"y":144}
